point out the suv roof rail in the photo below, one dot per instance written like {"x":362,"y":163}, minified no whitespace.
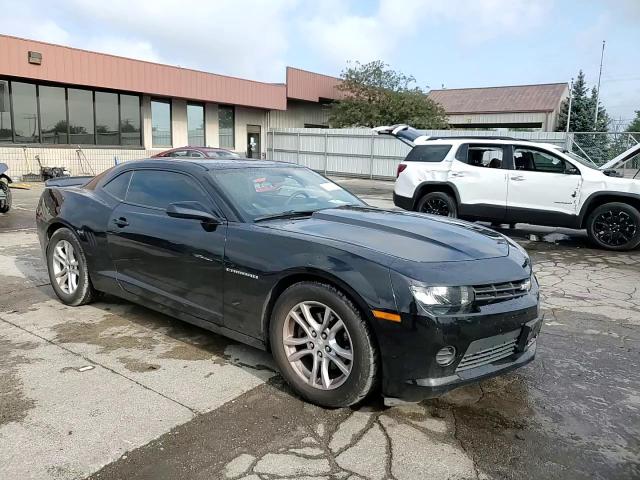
{"x":478,"y":137}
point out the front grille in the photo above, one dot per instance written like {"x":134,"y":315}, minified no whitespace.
{"x":497,"y":292}
{"x":489,"y":350}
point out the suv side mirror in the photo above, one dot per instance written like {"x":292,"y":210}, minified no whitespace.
{"x":192,"y":211}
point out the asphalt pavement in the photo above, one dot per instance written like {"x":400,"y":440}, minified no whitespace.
{"x":112,"y":390}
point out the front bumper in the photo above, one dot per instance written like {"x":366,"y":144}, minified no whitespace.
{"x":430,"y":387}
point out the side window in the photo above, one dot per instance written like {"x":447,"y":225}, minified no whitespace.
{"x":483,"y":156}
{"x":428,"y":153}
{"x":195,"y":154}
{"x":156,"y":188}
{"x":538,"y":161}
{"x":179,"y":153}
{"x":118,"y":186}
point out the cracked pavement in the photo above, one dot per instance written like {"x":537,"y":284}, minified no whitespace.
{"x":116,"y":391}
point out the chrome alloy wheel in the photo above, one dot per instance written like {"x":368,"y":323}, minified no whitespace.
{"x":65,"y":267}
{"x":317,"y":345}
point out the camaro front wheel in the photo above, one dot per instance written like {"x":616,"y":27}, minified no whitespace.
{"x":68,"y":270}
{"x":614,"y":226}
{"x":322,"y":346}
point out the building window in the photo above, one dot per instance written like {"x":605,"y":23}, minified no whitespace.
{"x":31,"y":113}
{"x":195,"y":125}
{"x":25,"y":112}
{"x":130,"y":120}
{"x":53,"y":115}
{"x":107,"y":131}
{"x":6,"y":133}
{"x":81,"y":121}
{"x":160,"y":123}
{"x":226,"y":124}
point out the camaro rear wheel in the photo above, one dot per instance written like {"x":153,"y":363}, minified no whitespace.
{"x":322,"y":346}
{"x":614,"y":226}
{"x":68,"y":270}
{"x":438,"y":203}
{"x":5,"y":205}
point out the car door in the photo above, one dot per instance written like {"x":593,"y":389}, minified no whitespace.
{"x":479,"y":173}
{"x":176,"y":262}
{"x":544,"y":188}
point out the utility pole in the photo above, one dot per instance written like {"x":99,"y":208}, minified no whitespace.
{"x":570,"y":101}
{"x":595,"y":121}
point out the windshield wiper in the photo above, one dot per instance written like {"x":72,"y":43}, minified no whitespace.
{"x":287,"y":214}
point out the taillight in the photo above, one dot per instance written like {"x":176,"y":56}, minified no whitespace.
{"x":401,"y":168}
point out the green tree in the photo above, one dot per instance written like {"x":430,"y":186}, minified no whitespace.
{"x":634,"y":126}
{"x":376,"y":95}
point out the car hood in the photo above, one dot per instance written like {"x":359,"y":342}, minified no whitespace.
{"x":409,"y":236}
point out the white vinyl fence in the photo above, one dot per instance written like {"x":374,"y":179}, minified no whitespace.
{"x":360,"y":152}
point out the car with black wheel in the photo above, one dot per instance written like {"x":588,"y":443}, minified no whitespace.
{"x":508,"y":181}
{"x":5,"y":191}
{"x":349,"y":299}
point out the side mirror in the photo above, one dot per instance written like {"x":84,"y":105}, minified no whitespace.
{"x":192,"y":211}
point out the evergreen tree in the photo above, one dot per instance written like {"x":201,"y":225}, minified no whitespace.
{"x":634,"y":126}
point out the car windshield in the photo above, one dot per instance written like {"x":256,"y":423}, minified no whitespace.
{"x":265,"y":192}
{"x":578,"y":158}
{"x":222,"y":154}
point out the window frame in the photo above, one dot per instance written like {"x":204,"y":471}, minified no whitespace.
{"x":507,"y":154}
{"x":170,"y":103}
{"x":204,"y":123}
{"x":44,"y":83}
{"x":210,"y":205}
{"x":551,"y":154}
{"x":233,"y":127}
{"x":126,"y":190}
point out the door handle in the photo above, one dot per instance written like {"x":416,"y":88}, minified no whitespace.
{"x":518,"y":178}
{"x":120,"y":222}
{"x":457,"y":174}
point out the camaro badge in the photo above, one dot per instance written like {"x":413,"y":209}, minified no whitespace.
{"x":239,"y":272}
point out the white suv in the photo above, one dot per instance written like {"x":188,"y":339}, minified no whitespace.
{"x":505,"y":180}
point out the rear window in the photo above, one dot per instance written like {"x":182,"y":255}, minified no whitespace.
{"x":428,"y":153}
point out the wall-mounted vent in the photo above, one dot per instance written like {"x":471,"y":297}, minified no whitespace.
{"x":35,"y":58}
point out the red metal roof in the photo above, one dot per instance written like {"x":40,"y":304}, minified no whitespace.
{"x":517,"y":98}
{"x":303,"y":85}
{"x":81,"y":67}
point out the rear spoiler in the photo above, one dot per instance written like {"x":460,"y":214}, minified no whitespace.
{"x":68,"y":181}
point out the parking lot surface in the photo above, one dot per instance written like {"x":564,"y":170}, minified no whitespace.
{"x":116,"y":391}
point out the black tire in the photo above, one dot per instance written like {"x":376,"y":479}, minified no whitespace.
{"x":5,"y":205}
{"x":84,"y":293}
{"x":363,"y":375}
{"x":614,"y":226}
{"x":438,"y":203}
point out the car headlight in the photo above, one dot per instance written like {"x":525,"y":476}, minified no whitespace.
{"x":436,"y":300}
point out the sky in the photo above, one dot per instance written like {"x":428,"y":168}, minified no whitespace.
{"x":455,"y":43}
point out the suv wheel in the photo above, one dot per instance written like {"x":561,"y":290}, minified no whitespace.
{"x":322,"y":346}
{"x":438,"y":203}
{"x":614,"y":226}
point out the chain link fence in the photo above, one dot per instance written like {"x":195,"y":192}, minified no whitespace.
{"x":24,"y":162}
{"x":600,"y":147}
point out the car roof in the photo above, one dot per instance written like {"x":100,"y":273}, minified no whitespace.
{"x":484,"y":140}
{"x":209,"y":164}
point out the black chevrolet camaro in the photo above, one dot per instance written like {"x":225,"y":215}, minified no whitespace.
{"x":348,"y":298}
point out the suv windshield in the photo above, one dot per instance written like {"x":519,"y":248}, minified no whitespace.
{"x":264,"y":192}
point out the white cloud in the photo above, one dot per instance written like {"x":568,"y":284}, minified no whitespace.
{"x":339,"y":35}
